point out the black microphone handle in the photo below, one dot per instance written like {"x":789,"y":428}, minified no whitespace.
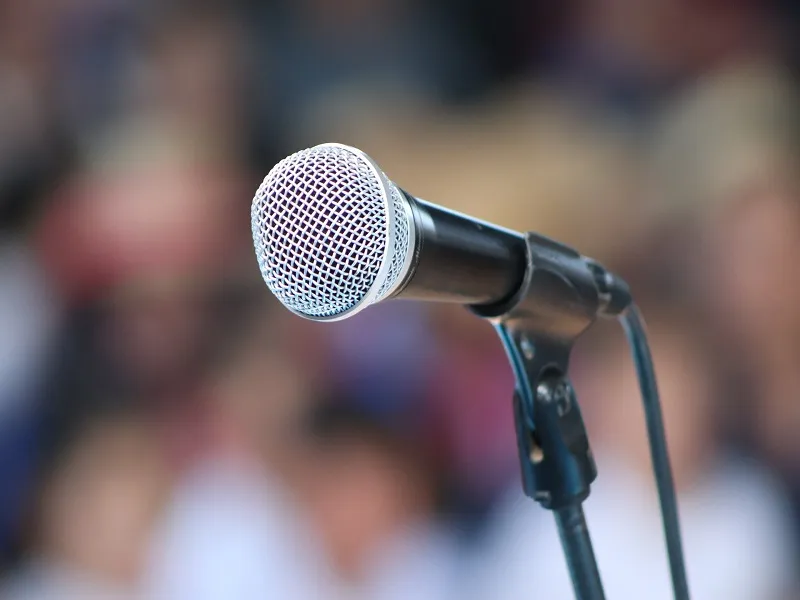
{"x":460,"y":259}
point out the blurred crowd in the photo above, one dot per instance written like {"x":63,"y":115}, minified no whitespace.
{"x":169,"y":432}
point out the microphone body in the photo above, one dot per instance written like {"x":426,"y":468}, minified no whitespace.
{"x":334,"y":235}
{"x":460,"y":259}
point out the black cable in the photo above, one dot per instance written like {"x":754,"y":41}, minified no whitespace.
{"x":632,"y":323}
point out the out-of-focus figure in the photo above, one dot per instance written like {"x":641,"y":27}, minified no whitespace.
{"x":728,"y":169}
{"x":135,"y":243}
{"x":322,"y":57}
{"x":233,"y":528}
{"x":626,"y":57}
{"x":733,"y":518}
{"x":97,"y":509}
{"x":29,"y":316}
{"x":30,"y":149}
{"x":148,"y":205}
{"x":370,"y":499}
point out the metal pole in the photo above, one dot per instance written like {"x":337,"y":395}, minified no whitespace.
{"x":578,"y":549}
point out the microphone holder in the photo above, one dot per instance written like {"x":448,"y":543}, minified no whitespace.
{"x":561,"y":296}
{"x":556,"y":460}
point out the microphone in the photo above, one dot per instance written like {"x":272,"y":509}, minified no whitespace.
{"x":333,"y":235}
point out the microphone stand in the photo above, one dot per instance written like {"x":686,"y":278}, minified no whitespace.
{"x":556,"y":461}
{"x":560,"y":297}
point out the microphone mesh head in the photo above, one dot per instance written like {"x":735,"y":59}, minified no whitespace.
{"x":332,"y":234}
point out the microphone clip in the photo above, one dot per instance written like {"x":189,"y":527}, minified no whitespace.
{"x":561,"y":295}
{"x":555,"y":459}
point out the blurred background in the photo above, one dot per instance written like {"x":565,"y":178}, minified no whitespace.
{"x":168,"y":432}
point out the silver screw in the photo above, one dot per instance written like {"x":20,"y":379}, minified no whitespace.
{"x":527,"y":347}
{"x":544,"y":392}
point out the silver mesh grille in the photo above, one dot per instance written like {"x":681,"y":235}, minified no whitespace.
{"x":331,"y":232}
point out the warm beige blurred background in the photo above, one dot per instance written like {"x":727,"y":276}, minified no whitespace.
{"x":167,"y":432}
